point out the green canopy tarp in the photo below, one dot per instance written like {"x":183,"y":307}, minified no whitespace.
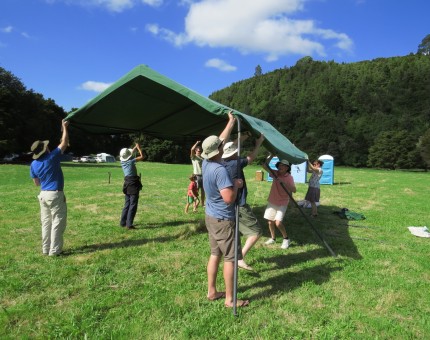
{"x":144,"y":101}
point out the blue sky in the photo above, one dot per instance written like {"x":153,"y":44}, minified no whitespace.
{"x":70,"y":50}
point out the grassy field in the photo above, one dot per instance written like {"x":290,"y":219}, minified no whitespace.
{"x":151,"y":282}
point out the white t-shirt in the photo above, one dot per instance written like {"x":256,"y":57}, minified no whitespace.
{"x":197,"y":165}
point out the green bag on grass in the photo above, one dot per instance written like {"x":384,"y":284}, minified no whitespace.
{"x":350,"y":215}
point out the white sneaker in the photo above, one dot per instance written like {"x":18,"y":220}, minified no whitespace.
{"x":270,"y":241}
{"x":285,"y":244}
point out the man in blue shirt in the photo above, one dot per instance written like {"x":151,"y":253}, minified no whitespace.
{"x":46,"y":172}
{"x":221,"y":194}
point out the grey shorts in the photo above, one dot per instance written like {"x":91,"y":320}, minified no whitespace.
{"x":248,"y":223}
{"x":221,"y":238}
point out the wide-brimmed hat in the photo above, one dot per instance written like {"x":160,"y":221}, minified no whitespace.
{"x":230,"y":149}
{"x":125,"y":154}
{"x":283,"y":161}
{"x":38,"y":148}
{"x":210,"y":146}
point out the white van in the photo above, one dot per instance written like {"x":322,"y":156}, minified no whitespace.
{"x":105,"y":158}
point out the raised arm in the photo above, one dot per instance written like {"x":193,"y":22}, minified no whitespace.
{"x":225,"y":134}
{"x":141,"y":156}
{"x":254,"y":152}
{"x":193,"y":148}
{"x":64,"y":143}
{"x":312,"y":168}
{"x":266,"y":163}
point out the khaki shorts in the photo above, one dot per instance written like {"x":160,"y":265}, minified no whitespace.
{"x":248,"y":223}
{"x":221,"y":238}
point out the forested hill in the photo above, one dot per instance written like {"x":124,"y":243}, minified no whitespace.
{"x":370,"y":113}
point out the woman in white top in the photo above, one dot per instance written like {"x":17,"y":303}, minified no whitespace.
{"x":196,"y":160}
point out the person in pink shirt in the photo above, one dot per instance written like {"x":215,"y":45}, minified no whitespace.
{"x":278,"y":199}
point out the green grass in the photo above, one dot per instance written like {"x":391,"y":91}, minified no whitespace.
{"x":151,"y":282}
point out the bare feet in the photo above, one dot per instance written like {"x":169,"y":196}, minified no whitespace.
{"x":242,"y":264}
{"x":239,"y":303}
{"x":216,"y":296}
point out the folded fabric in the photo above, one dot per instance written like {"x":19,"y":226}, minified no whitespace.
{"x":419,"y":231}
{"x":349,"y":215}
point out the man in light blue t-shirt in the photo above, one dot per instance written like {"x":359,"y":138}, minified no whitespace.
{"x":132,"y":185}
{"x":221,"y":193}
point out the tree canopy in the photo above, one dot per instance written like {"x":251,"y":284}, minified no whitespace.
{"x":341,"y":109}
{"x":371,"y":113}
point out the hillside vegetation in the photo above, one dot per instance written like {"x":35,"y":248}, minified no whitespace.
{"x":370,"y":113}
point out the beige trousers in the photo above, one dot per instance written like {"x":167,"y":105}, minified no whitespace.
{"x":53,"y":215}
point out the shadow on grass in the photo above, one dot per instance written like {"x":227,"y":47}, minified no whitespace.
{"x":301,"y":233}
{"x":341,"y":183}
{"x":167,"y":224}
{"x":288,"y":281}
{"x":123,"y":244}
{"x":301,"y":230}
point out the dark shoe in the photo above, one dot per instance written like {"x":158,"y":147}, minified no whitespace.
{"x":131,"y":227}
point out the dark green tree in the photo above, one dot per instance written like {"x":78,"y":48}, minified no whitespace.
{"x":424,"y":147}
{"x":424,"y":47}
{"x":258,"y":71}
{"x":394,"y":150}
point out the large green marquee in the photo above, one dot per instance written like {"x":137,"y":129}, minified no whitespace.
{"x":144,"y":101}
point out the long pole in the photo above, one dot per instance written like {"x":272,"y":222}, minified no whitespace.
{"x":304,"y":215}
{"x":236,"y":228}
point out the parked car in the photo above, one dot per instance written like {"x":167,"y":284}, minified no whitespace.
{"x":88,"y":159}
{"x":11,"y":157}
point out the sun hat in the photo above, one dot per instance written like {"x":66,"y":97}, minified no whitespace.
{"x":125,"y":154}
{"x":38,"y":148}
{"x":283,"y":161}
{"x":210,"y":146}
{"x":230,"y":149}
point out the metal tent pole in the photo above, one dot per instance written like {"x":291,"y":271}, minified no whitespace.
{"x":236,"y":228}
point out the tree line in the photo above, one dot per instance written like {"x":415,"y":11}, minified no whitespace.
{"x":365,"y":114}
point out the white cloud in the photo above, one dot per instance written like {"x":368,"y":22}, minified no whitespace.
{"x":7,"y":29}
{"x":254,"y":27}
{"x":153,"y":3}
{"x":220,"y":65}
{"x":110,"y":5}
{"x":94,"y":86}
{"x":172,"y":37}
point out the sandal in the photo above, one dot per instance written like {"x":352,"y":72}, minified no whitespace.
{"x":245,"y":266}
{"x":217,"y":296}
{"x":239,"y":303}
